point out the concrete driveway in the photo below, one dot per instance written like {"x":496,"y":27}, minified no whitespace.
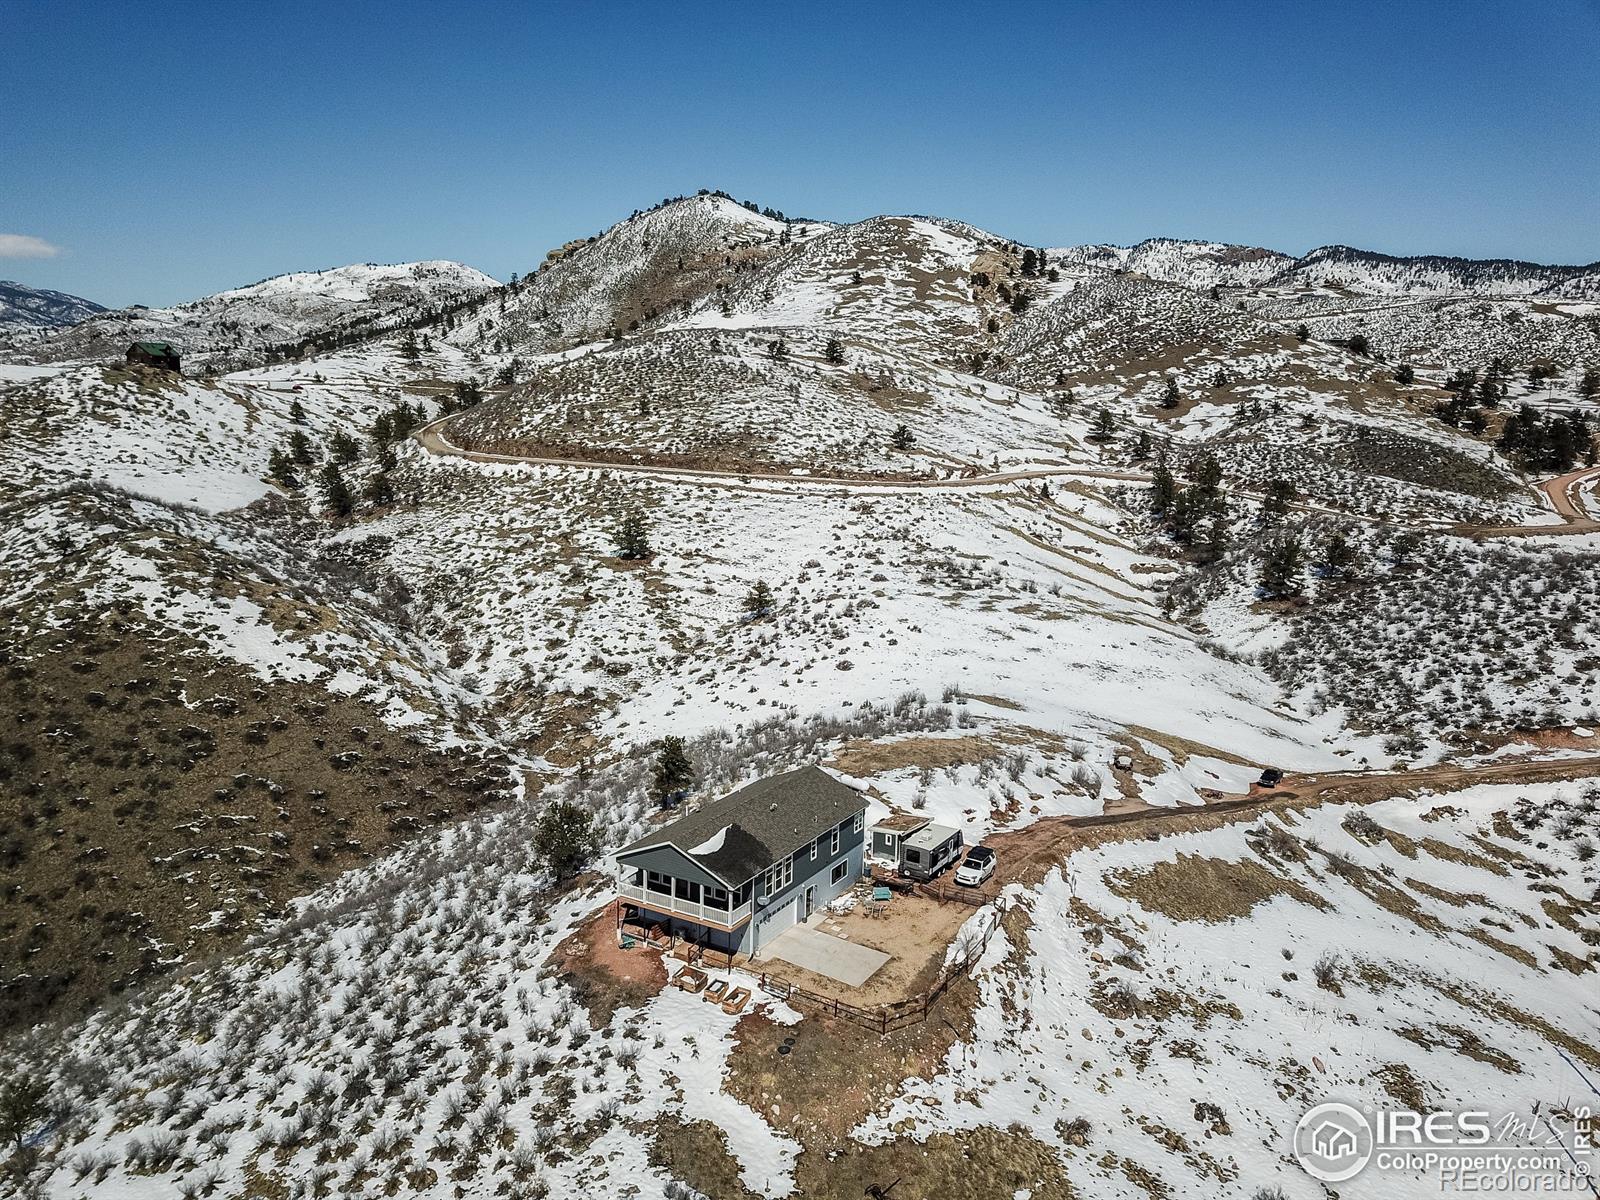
{"x":825,"y":954}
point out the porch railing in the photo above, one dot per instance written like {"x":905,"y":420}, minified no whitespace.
{"x":688,"y":909}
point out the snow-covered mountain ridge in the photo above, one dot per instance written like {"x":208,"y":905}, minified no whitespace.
{"x":28,"y":308}
{"x":281,"y":316}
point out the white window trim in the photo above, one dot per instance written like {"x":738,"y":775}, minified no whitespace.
{"x":857,"y":826}
{"x":840,"y":870}
{"x":814,"y":842}
{"x":834,"y":848}
{"x":779,"y":876}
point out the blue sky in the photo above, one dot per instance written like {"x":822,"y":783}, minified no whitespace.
{"x":164,"y":151}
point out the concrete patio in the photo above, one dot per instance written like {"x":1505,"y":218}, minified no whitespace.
{"x":825,"y":954}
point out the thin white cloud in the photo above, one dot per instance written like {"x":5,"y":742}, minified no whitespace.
{"x":25,"y":245}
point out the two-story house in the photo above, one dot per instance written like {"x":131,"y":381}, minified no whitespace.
{"x":735,"y":873}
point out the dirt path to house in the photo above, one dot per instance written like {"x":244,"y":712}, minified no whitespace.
{"x":1028,"y":854}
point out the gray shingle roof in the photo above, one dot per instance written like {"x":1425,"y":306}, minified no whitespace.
{"x":765,"y":822}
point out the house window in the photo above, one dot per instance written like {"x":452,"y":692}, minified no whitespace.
{"x":840,"y":870}
{"x":657,"y":882}
{"x":717,"y":898}
{"x":814,"y":844}
{"x":780,"y":876}
{"x":857,"y":825}
{"x":687,"y":889}
{"x":833,"y":848}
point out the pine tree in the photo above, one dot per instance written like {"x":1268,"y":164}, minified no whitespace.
{"x":1280,"y":574}
{"x":408,"y":346}
{"x":1163,"y":488}
{"x":1280,"y":492}
{"x":1357,"y":344}
{"x":1405,"y":375}
{"x":336,"y":495}
{"x":343,"y":448}
{"x":1206,"y":473}
{"x":300,"y":447}
{"x":674,"y":773}
{"x":1302,"y":333}
{"x":1142,"y":445}
{"x":565,"y":838}
{"x":280,"y":469}
{"x":1105,"y":426}
{"x":379,"y":491}
{"x":1338,"y":558}
{"x":633,"y":536}
{"x":1211,"y":541}
{"x":1589,"y":384}
{"x":833,"y":352}
{"x":383,"y":428}
{"x":902,"y":438}
{"x":758,"y":601}
{"x":297,"y":412}
{"x":1170,"y":396}
{"x":1187,"y":509}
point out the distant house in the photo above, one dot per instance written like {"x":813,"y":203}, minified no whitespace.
{"x":913,"y":845}
{"x":734,"y":873}
{"x":154,"y":354}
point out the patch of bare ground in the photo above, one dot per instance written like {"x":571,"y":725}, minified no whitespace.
{"x":1455,"y":899}
{"x":975,"y":1164}
{"x":1402,"y":1085}
{"x":1586,"y":1050}
{"x":158,"y":803}
{"x":1462,"y":1041}
{"x":1513,"y":952}
{"x":602,"y":975}
{"x":866,"y":758}
{"x":697,"y":1153}
{"x":1195,"y":888}
{"x":1566,"y":910}
{"x":914,"y":931}
{"x":1466,"y":858}
{"x":836,"y":1073}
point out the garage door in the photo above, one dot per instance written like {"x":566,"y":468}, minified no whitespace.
{"x":775,"y":921}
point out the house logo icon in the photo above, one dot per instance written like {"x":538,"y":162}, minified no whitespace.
{"x":1333,"y":1142}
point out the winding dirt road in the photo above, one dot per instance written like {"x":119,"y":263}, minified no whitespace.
{"x":1030,"y":852}
{"x":1564,"y":491}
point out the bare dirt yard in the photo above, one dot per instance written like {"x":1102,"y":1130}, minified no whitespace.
{"x":914,"y":931}
{"x":605,"y":976}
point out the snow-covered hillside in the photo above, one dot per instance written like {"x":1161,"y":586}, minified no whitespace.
{"x":631,"y":275}
{"x":277,"y":317}
{"x":1058,"y":548}
{"x":1191,"y":263}
{"x":1365,"y":271}
{"x":28,"y":308}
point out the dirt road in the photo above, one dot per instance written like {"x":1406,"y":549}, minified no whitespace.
{"x":1563,"y":491}
{"x":1028,"y":854}
{"x":1565,"y":495}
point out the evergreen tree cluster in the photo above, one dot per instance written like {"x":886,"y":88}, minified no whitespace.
{"x":1548,"y":443}
{"x":1196,"y":515}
